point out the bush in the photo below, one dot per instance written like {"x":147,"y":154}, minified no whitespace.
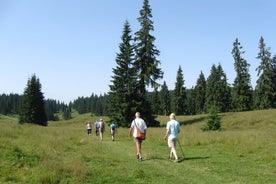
{"x":214,"y":120}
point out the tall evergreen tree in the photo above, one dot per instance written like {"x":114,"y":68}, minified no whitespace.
{"x":274,"y":78}
{"x":123,"y":96}
{"x":179,"y":93}
{"x":217,"y":90}
{"x":33,"y":110}
{"x":242,"y":95}
{"x":265,"y":89}
{"x":165,"y":100}
{"x":145,"y":62}
{"x":155,"y":102}
{"x":200,"y":94}
{"x":190,"y":107}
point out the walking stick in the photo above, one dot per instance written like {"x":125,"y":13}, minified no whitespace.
{"x":181,"y":149}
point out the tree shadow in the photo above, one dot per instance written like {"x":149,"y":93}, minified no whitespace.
{"x":192,"y":121}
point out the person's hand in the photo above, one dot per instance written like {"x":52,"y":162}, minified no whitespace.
{"x":165,"y":138}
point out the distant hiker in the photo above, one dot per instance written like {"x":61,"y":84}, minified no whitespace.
{"x":112,"y":130}
{"x":101,"y":128}
{"x":96,"y":124}
{"x":89,"y":128}
{"x":172,"y":131}
{"x":138,"y":126}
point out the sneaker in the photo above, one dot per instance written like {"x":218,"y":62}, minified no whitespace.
{"x":140,"y":159}
{"x":137,"y":156}
{"x":176,"y":161}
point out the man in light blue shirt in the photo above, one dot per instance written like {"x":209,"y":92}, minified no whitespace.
{"x":173,"y":128}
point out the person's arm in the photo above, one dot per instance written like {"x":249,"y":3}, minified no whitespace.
{"x":166,"y":135}
{"x":130,"y":131}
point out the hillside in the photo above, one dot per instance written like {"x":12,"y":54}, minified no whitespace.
{"x":243,"y":152}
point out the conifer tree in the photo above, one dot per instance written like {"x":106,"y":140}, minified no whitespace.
{"x":155,"y":102}
{"x":200,"y":94}
{"x":242,"y":95}
{"x":146,"y":63}
{"x":123,"y":96}
{"x":33,"y":110}
{"x":217,"y":90}
{"x":165,"y":100}
{"x":265,"y":89}
{"x":190,"y":104}
{"x":179,"y":93}
{"x":274,"y":79}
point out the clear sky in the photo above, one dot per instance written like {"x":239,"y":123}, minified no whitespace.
{"x":71,"y":45}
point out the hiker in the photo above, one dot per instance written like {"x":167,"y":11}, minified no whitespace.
{"x":172,"y":131}
{"x":138,"y":124}
{"x":112,"y":130}
{"x":101,"y":127}
{"x":96,"y":124}
{"x":89,"y":128}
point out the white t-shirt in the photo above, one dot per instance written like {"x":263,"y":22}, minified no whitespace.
{"x":140,"y":123}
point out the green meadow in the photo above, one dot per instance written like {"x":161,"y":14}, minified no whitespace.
{"x":244,"y":151}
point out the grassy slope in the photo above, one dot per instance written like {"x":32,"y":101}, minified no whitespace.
{"x":244,"y":152}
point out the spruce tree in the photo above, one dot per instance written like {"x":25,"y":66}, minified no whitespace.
{"x":122,"y":95}
{"x":242,"y":95}
{"x":155,"y":102}
{"x":274,"y":79}
{"x":265,"y":89}
{"x":32,"y":109}
{"x":165,"y":100}
{"x":200,"y":94}
{"x":145,"y":62}
{"x":190,"y":104}
{"x":217,"y":90}
{"x":179,"y":93}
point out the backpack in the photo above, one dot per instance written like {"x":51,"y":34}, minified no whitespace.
{"x":112,"y":127}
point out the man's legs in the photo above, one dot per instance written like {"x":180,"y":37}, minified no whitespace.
{"x":138,"y":148}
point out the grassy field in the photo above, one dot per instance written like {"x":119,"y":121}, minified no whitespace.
{"x":243,"y":152}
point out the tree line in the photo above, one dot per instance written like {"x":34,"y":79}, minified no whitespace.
{"x":137,"y":69}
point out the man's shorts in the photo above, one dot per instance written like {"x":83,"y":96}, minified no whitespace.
{"x":171,"y":142}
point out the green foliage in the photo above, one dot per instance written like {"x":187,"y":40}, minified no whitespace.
{"x":200,"y":94}
{"x":179,"y":93}
{"x":123,"y":97}
{"x":217,"y":90}
{"x":33,"y":110}
{"x":96,"y":104}
{"x":165,"y":100}
{"x":242,"y":95}
{"x":10,"y":104}
{"x":265,"y":91}
{"x":214,"y":120}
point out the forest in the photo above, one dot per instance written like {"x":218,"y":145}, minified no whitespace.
{"x":137,"y":70}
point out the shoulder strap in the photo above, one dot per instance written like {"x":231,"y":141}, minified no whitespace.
{"x":137,"y":126}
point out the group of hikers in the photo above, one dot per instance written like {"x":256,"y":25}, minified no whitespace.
{"x":100,"y":129}
{"x":137,"y":130}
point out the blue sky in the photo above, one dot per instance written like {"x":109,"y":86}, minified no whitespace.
{"x":71,"y":45}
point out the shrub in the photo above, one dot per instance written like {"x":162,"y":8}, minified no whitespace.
{"x":214,"y":120}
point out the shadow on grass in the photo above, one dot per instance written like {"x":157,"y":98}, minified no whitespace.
{"x":192,"y":121}
{"x":179,"y":161}
{"x":189,"y":122}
